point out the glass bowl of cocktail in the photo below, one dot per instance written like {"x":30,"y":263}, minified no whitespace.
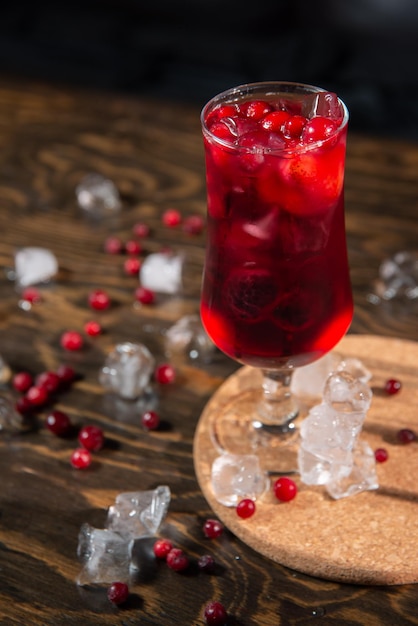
{"x":276,"y":292}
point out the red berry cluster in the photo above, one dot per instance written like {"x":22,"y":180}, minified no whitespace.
{"x":37,"y":391}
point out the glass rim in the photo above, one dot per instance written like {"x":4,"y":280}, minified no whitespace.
{"x":246,"y":89}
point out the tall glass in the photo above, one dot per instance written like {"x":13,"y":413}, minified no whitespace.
{"x":276,"y":290}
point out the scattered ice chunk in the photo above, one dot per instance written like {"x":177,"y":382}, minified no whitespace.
{"x":236,"y":476}
{"x":345,"y":393}
{"x":162,"y":272}
{"x":187,"y":337}
{"x":34,"y":265}
{"x":356,"y":368}
{"x":362,"y":477}
{"x":398,"y":277}
{"x":105,"y":554}
{"x":11,"y":421}
{"x":96,"y":194}
{"x":309,"y":380}
{"x":127,"y":370}
{"x":139,"y":514}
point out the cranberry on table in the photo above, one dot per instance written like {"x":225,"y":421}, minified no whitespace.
{"x":193,"y":225}
{"x":99,"y":300}
{"x":141,"y":230}
{"x":245,"y":508}
{"x":31,"y":295}
{"x":285,"y":489}
{"x":381,"y":455}
{"x":91,"y":438}
{"x":212,"y":528}
{"x":206,"y":563}
{"x":215,"y":614}
{"x":23,"y":406}
{"x":113,"y":245}
{"x":37,"y":396}
{"x":150,"y":420}
{"x":58,"y":423}
{"x":165,"y":374}
{"x":49,"y":380}
{"x":22,"y":381}
{"x":144,"y":295}
{"x":80,"y":458}
{"x":133,"y":247}
{"x":132,"y":266}
{"x":66,"y":374}
{"x":406,"y":435}
{"x":93,"y":328}
{"x":177,"y":560}
{"x":171,"y":217}
{"x":162,"y":547}
{"x":72,"y":340}
{"x":118,"y":593}
{"x":392,"y":386}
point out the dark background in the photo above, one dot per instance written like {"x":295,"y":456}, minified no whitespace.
{"x":365,"y":50}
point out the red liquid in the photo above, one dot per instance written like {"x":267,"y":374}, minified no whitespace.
{"x":276,"y":289}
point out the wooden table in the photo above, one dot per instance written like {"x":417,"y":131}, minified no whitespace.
{"x":50,"y":139}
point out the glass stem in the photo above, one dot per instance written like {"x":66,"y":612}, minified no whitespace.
{"x":277,"y":407}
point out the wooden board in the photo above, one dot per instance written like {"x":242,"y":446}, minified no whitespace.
{"x":369,"y":538}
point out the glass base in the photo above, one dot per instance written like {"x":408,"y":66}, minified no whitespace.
{"x":237,"y":429}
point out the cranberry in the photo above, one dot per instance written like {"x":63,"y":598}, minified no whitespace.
{"x":245,"y":508}
{"x":22,"y":381}
{"x":91,"y":438}
{"x":293,"y":127}
{"x":285,"y":489}
{"x":31,"y":295}
{"x":113,"y":245}
{"x":71,"y":340}
{"x":37,"y":396}
{"x":80,"y":458}
{"x":274,"y":121}
{"x":162,"y":547}
{"x":406,"y":435}
{"x":165,"y":374}
{"x":212,"y":528}
{"x":171,"y":218}
{"x":93,"y":328}
{"x":58,"y":423}
{"x":150,"y":420}
{"x":133,"y":247}
{"x":132,"y":266}
{"x":225,"y":110}
{"x":222,"y":131}
{"x":49,"y":381}
{"x":392,"y":386}
{"x":381,"y":455}
{"x":144,"y":296}
{"x":257,"y":109}
{"x":318,"y":128}
{"x":23,"y":406}
{"x":206,"y":563}
{"x":66,"y":374}
{"x":177,"y":560}
{"x":215,"y":614}
{"x":99,"y":300}
{"x":193,"y":225}
{"x":141,"y":230}
{"x":118,"y":593}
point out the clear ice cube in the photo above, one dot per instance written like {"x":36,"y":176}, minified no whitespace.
{"x":105,"y":554}
{"x":96,"y":193}
{"x":309,"y":381}
{"x":127,"y":370}
{"x":162,"y":272}
{"x":398,"y":277}
{"x":355,"y":368}
{"x":34,"y":265}
{"x":187,"y":337}
{"x":345,"y":393}
{"x":236,"y":476}
{"x":139,"y":514}
{"x":318,"y":469}
{"x":362,"y":477}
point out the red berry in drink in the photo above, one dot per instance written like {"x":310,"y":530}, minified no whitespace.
{"x":171,"y":218}
{"x":80,"y":458}
{"x":49,"y":381}
{"x":133,"y":247}
{"x":285,"y":489}
{"x":162,"y":547}
{"x":99,"y":300}
{"x":245,"y":508}
{"x":37,"y":396}
{"x":215,"y":614}
{"x":381,"y":455}
{"x":177,"y":560}
{"x":71,"y":340}
{"x":113,"y":245}
{"x":165,"y":374}
{"x":257,"y":109}
{"x":91,"y":438}
{"x":406,"y":435}
{"x":93,"y":328}
{"x":58,"y":423}
{"x":274,"y":121}
{"x":144,"y":296}
{"x":22,"y":381}
{"x":132,"y":266}
{"x":318,"y":128}
{"x":294,"y":126}
{"x":392,"y":386}
{"x":141,"y":230}
{"x":118,"y":593}
{"x":213,"y":528}
{"x":150,"y":420}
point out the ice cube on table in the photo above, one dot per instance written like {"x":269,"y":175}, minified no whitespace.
{"x":34,"y":265}
{"x":398,"y":277}
{"x":139,"y":514}
{"x":237,"y":476}
{"x":162,"y":272}
{"x":187,"y":337}
{"x":96,"y":193}
{"x":127,"y":370}
{"x":355,"y":368}
{"x":345,"y":393}
{"x":309,"y":381}
{"x":362,"y":477}
{"x":105,"y":554}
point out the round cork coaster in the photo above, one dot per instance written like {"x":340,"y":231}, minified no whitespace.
{"x":368,"y":538}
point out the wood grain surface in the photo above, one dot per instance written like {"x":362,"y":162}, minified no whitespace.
{"x":50,"y":138}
